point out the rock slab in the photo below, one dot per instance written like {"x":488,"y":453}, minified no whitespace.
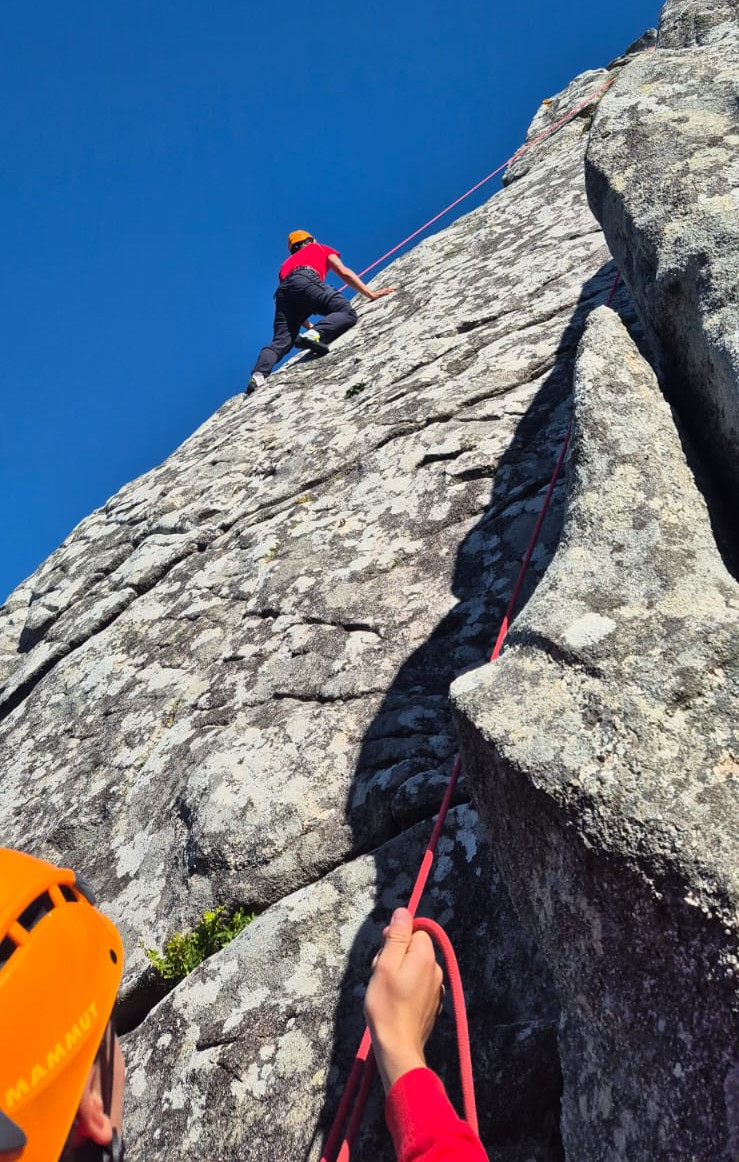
{"x":662,"y":173}
{"x":230,"y":684}
{"x":603,"y":752}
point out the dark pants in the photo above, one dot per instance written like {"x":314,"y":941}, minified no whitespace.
{"x":300,"y":295}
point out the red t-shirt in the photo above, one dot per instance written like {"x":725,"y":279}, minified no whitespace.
{"x":423,"y":1124}
{"x":314,"y":254}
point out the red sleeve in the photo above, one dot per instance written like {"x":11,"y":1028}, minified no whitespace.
{"x":327,"y":252}
{"x":423,"y":1124}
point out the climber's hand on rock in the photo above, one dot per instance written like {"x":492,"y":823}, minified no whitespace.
{"x":380,"y":294}
{"x":402,"y":998}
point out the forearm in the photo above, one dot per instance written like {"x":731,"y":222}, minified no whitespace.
{"x":354,"y":281}
{"x":423,"y":1124}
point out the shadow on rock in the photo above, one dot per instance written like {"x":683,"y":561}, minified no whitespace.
{"x":400,"y":777}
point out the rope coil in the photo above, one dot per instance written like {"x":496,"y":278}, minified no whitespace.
{"x":362,"y":1075}
{"x":437,"y":933}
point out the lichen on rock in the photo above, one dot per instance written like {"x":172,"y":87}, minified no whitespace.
{"x":230,"y":685}
{"x":603,"y":752}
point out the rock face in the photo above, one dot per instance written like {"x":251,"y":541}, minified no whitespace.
{"x":603,"y":748}
{"x":687,"y":23}
{"x":234,"y":677}
{"x":604,"y":754}
{"x":663,"y":179}
{"x":230,"y":685}
{"x":260,"y":1042}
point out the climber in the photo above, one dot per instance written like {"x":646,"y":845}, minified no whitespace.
{"x":61,"y":1067}
{"x":302,"y":292}
{"x":402,"y":1002}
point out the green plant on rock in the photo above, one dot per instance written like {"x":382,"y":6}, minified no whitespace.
{"x":354,"y":390}
{"x":186,"y":950}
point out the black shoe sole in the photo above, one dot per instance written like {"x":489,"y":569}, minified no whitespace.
{"x":313,"y":345}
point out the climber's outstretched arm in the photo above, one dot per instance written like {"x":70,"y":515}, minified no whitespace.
{"x":354,"y":281}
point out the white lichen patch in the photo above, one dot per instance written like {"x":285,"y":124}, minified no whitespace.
{"x":588,"y":630}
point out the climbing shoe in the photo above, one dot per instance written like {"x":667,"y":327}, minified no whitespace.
{"x":256,"y":381}
{"x":311,"y":341}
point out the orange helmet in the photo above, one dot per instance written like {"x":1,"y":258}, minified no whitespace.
{"x":61,"y":963}
{"x":296,"y":236}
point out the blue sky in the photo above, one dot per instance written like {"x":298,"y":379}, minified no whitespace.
{"x":153,"y":156}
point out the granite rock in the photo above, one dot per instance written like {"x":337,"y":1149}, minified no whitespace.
{"x":230,"y":684}
{"x":691,"y":23}
{"x":603,"y":751}
{"x":211,"y":689}
{"x":255,"y":1028}
{"x":662,"y":171}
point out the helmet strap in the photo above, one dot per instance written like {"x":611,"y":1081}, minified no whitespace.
{"x":115,"y":1149}
{"x":89,"y":1151}
{"x":107,"y":1067}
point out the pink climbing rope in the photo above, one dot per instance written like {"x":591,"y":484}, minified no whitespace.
{"x":359,"y":1082}
{"x":616,"y":281}
{"x":356,"y":1090}
{"x":422,"y":924}
{"x":494,"y":173}
{"x":363,"y":1071}
{"x":503,"y":631}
